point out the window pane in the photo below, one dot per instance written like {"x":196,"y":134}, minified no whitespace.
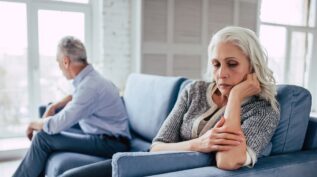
{"x":312,"y":13}
{"x":53,"y":25}
{"x":294,"y":13}
{"x":14,"y":110}
{"x":300,"y":49}
{"x":76,"y":1}
{"x":274,"y":41}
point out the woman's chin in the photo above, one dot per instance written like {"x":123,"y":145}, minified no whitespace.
{"x":225,"y":92}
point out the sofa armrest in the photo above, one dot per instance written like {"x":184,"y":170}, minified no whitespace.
{"x":294,"y":164}
{"x":311,"y":134}
{"x":131,"y":164}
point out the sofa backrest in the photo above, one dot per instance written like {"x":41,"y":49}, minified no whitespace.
{"x":148,"y":100}
{"x":295,"y":107}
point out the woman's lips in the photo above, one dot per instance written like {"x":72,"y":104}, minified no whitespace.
{"x":224,"y":86}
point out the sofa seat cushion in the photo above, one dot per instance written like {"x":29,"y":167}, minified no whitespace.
{"x":60,"y":162}
{"x":139,"y":144}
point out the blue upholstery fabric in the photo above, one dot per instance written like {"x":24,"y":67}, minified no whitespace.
{"x":139,"y":144}
{"x":60,"y":162}
{"x":311,"y":134}
{"x":148,"y":100}
{"x":157,"y":162}
{"x":288,"y":165}
{"x":295,"y":106}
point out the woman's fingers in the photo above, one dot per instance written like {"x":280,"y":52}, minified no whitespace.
{"x":226,"y":142}
{"x":219,"y":139}
{"x":220,"y":123}
{"x":221,"y":148}
{"x":224,"y":136}
{"x":224,"y":129}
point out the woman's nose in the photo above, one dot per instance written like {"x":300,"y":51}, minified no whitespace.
{"x":223,"y":73}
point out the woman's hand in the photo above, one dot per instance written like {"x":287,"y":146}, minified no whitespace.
{"x":249,"y":87}
{"x":218,"y":138}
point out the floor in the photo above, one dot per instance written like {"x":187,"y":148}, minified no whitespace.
{"x":7,"y":168}
{"x":12,"y":150}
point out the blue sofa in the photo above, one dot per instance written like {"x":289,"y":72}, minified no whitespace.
{"x":149,"y":99}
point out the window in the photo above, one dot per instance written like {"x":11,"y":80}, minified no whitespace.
{"x":29,"y":73}
{"x":289,"y":34}
{"x":78,"y":1}
{"x":14,"y":105}
{"x":57,"y":24}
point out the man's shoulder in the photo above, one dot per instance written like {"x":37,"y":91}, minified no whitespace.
{"x":95,"y":81}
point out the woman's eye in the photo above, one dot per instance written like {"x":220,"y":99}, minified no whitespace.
{"x":231,"y":65}
{"x":216,"y":65}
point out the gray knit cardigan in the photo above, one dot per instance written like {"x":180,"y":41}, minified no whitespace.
{"x":258,"y":118}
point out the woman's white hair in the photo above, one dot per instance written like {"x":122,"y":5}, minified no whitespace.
{"x":248,"y":42}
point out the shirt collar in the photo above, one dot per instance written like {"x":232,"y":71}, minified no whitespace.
{"x":82,"y":74}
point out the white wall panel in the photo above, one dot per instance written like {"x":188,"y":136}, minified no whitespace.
{"x":187,"y":21}
{"x":154,"y":64}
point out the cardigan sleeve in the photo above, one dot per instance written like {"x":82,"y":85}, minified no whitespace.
{"x":259,"y":122}
{"x":170,"y":130}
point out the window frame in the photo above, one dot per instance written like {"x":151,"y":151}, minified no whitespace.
{"x":32,"y":9}
{"x":312,"y":73}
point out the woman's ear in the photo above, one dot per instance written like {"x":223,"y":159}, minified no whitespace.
{"x":251,"y":70}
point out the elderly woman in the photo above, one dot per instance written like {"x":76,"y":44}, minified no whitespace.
{"x":236,"y":114}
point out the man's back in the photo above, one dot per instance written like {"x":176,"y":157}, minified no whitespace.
{"x":96,"y":105}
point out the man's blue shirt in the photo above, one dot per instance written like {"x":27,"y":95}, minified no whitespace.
{"x":96,"y":105}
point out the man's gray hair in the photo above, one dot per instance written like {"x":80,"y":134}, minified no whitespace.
{"x":73,"y":48}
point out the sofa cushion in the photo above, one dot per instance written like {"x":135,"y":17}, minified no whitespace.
{"x":148,"y":100}
{"x":59,"y":162}
{"x":139,"y":144}
{"x":295,"y":106}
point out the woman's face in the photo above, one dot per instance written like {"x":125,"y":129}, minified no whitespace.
{"x":230,"y":67}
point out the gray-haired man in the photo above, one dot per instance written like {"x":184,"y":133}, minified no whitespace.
{"x":95,"y":105}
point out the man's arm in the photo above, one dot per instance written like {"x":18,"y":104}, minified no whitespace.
{"x":51,"y":109}
{"x":81,"y":106}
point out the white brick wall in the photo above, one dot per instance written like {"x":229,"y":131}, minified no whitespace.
{"x":115,"y":63}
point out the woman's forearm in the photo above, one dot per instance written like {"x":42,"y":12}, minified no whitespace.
{"x":234,"y":158}
{"x":180,"y":146}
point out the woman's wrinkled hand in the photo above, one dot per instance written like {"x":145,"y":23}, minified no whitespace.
{"x":219,"y":138}
{"x":249,"y":87}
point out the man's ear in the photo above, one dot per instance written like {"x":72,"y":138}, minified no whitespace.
{"x":66,"y":61}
